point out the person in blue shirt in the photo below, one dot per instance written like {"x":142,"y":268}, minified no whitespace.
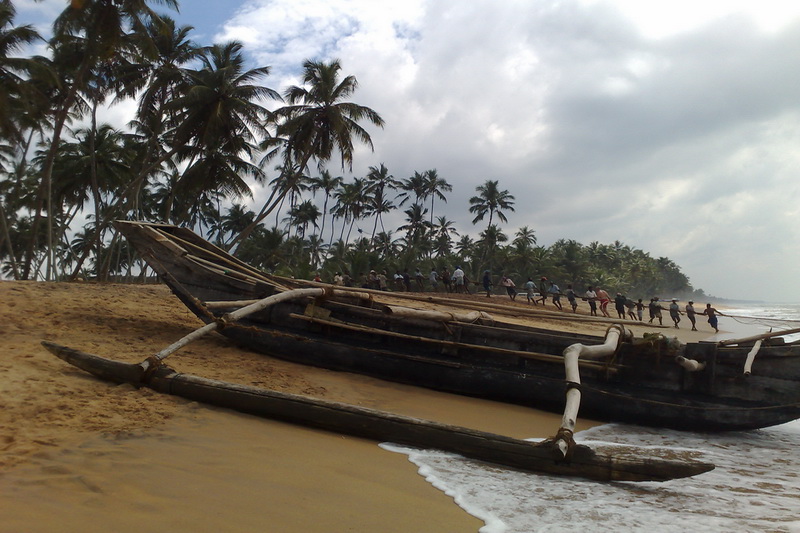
{"x":555,"y":292}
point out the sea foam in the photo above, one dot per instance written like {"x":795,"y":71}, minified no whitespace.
{"x":754,"y":487}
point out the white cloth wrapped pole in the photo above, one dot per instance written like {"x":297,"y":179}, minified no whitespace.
{"x":438,"y":316}
{"x":751,"y":355}
{"x":769,"y":335}
{"x":259,"y":305}
{"x":690,"y":364}
{"x":334,"y":292}
{"x":571,"y":356}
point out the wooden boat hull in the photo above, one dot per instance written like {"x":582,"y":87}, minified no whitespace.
{"x":504,"y":362}
{"x":382,"y":426}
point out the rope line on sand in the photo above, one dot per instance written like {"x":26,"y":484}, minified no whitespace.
{"x":777,"y":322}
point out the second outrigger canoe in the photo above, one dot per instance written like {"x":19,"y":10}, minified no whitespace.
{"x":454,"y":350}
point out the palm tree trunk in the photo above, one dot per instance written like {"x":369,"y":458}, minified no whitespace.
{"x":45,"y":186}
{"x":333,"y":227}
{"x":324,"y":214}
{"x":375,"y":227}
{"x":7,"y":240}
{"x":98,"y":207}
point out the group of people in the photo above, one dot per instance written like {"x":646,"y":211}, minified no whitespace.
{"x":627,"y":308}
{"x":675,"y":313}
{"x":536,"y":294}
{"x":405,"y":281}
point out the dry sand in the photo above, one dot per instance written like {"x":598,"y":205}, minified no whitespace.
{"x":79,"y":454}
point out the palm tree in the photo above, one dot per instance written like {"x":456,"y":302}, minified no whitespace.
{"x":435,"y":187}
{"x":318,"y":121}
{"x":13,"y":97}
{"x":302,"y":215}
{"x":98,"y":28}
{"x":166,"y":77}
{"x":443,"y":231}
{"x":465,"y":247}
{"x":232,"y":222}
{"x":490,"y":200}
{"x":327,"y":184}
{"x":264,"y":249}
{"x":379,"y":183}
{"x":220,"y":101}
{"x":351,"y":203}
{"x":289,"y":182}
{"x":416,"y":185}
{"x":315,"y":248}
{"x":98,"y":160}
{"x":488,"y":242}
{"x":386,"y":245}
{"x":570,"y":257}
{"x":416,"y":224}
{"x":524,"y":237}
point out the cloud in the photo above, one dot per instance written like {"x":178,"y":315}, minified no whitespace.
{"x":672,"y":132}
{"x":672,"y":128}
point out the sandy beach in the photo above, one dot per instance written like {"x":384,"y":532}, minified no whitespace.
{"x":78,"y":453}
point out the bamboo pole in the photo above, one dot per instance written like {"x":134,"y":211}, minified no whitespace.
{"x":260,"y":305}
{"x":769,"y":335}
{"x":220,"y":269}
{"x":572,"y":355}
{"x":501,"y":351}
{"x":438,"y":316}
{"x":224,"y":304}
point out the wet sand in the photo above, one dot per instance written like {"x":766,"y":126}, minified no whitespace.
{"x":78,"y":453}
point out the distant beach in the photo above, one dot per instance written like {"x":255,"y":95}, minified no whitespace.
{"x":81,"y":453}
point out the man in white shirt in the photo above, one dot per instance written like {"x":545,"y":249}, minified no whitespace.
{"x":591,"y":297}
{"x":458,"y":278}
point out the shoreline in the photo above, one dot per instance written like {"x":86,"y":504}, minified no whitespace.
{"x":77,"y":449}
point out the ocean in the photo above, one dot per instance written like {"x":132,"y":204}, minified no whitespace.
{"x":755,"y":486}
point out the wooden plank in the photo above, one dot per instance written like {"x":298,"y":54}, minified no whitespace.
{"x":527,"y":355}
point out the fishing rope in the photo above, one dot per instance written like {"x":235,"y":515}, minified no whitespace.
{"x":744,"y":319}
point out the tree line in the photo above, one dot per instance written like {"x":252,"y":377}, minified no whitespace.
{"x":206,"y":127}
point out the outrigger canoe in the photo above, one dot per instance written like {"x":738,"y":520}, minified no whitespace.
{"x":376,"y":425}
{"x":652,"y":381}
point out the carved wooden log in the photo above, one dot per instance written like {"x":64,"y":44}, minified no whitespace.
{"x":382,"y":426}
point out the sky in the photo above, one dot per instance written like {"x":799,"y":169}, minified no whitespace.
{"x":672,"y":127}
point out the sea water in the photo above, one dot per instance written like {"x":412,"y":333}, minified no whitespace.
{"x":754,"y":487}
